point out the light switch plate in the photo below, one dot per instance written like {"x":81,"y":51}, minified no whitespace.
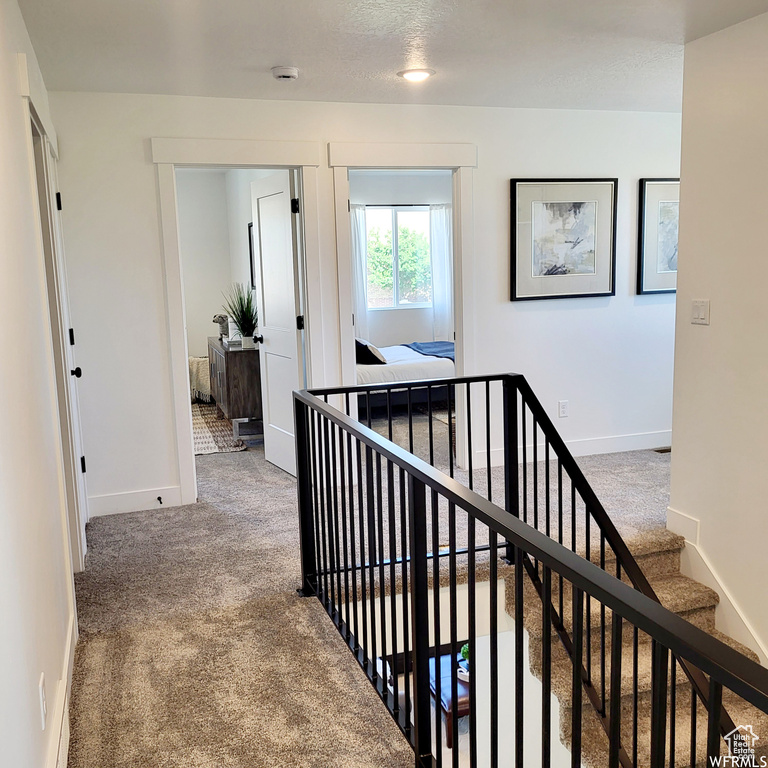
{"x":700,"y":312}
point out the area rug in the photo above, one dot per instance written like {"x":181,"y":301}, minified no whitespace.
{"x":212,"y":434}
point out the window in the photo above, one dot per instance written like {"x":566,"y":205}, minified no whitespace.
{"x":399,"y":267}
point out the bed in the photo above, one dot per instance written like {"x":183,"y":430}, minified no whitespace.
{"x":403,"y":363}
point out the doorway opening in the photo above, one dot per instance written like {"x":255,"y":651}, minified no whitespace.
{"x":241,"y":262}
{"x":402,"y":274}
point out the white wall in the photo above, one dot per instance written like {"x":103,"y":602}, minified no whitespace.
{"x":240,"y":215}
{"x":610,"y":357}
{"x":371,"y":187}
{"x":36,"y":593}
{"x":719,"y":460}
{"x":205,"y":251}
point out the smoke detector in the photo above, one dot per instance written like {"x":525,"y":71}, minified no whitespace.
{"x":285,"y":73}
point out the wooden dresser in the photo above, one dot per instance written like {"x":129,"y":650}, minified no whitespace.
{"x":235,"y":380}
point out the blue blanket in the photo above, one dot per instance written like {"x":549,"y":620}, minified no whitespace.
{"x":433,"y":348}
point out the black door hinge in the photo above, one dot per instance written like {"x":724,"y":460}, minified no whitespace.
{"x":58,"y":201}
{"x":300,"y":323}
{"x":349,"y":207}
{"x":72,"y":337}
{"x":82,"y":463}
{"x":294,"y":205}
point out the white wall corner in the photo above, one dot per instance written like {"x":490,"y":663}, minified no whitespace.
{"x":729,"y":617}
{"x":134,"y":501}
{"x":23,"y":76}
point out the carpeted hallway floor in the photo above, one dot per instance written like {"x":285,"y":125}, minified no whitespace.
{"x":196,"y":652}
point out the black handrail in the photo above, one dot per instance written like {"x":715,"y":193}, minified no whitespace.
{"x":727,"y":666}
{"x":626,"y":559}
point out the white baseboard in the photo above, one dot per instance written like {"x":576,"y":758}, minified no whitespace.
{"x":729,"y":617}
{"x":588,"y":446}
{"x":619,"y":443}
{"x":58,"y":745}
{"x":133,"y":501}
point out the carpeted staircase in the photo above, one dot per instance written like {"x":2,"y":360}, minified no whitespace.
{"x":658,"y":553}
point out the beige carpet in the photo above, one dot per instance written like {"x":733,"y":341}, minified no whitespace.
{"x":212,"y":434}
{"x":196,"y":652}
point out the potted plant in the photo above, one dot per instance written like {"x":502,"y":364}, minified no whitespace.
{"x":241,"y":308}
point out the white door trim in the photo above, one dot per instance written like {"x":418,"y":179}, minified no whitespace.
{"x":167,"y":153}
{"x":461,"y":159}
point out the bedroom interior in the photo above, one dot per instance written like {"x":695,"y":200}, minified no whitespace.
{"x":402,"y":278}
{"x":215,"y":217}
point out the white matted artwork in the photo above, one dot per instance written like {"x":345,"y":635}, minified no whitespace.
{"x":657,"y":235}
{"x":563,"y":238}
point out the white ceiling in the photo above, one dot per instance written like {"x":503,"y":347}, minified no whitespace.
{"x":588,"y":54}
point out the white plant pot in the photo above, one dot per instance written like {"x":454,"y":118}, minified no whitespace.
{"x":248,"y":342}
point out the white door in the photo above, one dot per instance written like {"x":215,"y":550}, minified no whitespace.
{"x":64,"y":339}
{"x":277,"y":297}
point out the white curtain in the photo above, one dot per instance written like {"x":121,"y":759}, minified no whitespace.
{"x":441,"y":246}
{"x":359,"y":270}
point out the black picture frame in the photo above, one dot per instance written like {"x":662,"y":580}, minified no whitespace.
{"x":602,"y":196}
{"x":250,"y":251}
{"x":653,"y":193}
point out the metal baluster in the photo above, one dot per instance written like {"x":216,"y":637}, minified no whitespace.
{"x":344,"y":486}
{"x":470,"y":469}
{"x":602,"y":632}
{"x":361,"y":506}
{"x":588,"y":625}
{"x":438,"y":636}
{"x":635,"y":694}
{"x":371,"y":508}
{"x":713,"y":720}
{"x":614,"y":736}
{"x":560,"y":526}
{"x":546,"y":487}
{"x":489,"y":473}
{"x":672,"y":711}
{"x":422,"y":729}
{"x":546,"y":667}
{"x":453,"y":727}
{"x":524,"y":420}
{"x":335,"y":520}
{"x":410,"y":421}
{"x":431,"y":428}
{"x":405,"y":597}
{"x":382,"y":571}
{"x":322,"y":493}
{"x":352,"y":537}
{"x":393,"y":581}
{"x":329,"y":504}
{"x":577,"y":605}
{"x":511,"y":457}
{"x":451,"y":396}
{"x":693,"y":727}
{"x":471,"y":606}
{"x":494,"y":631}
{"x":519,"y":660}
{"x":660,"y":660}
{"x":535,"y":438}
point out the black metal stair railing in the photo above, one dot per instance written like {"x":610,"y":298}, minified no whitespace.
{"x":407,"y":560}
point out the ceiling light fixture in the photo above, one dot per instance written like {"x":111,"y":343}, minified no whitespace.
{"x":416,"y":75}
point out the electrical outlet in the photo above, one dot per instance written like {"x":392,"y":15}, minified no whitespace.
{"x":562,"y":409}
{"x":43,"y":705}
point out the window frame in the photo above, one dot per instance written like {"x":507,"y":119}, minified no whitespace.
{"x":405,"y":207}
